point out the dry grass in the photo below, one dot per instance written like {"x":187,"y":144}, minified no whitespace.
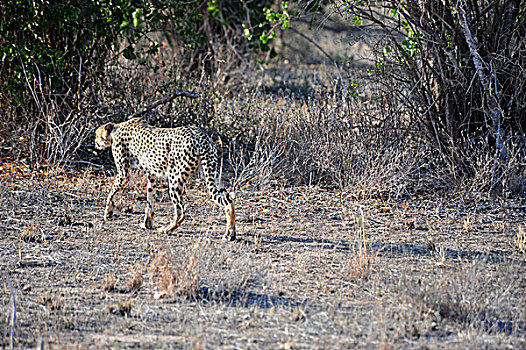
{"x":176,"y":276}
{"x":312,"y":268}
{"x":50,"y":301}
{"x":136,"y":279}
{"x":363,"y":256}
{"x":122,"y":308}
{"x":109,"y":283}
{"x":520,"y":239}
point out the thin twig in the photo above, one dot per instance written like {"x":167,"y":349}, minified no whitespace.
{"x":13,"y":313}
{"x":86,"y":162}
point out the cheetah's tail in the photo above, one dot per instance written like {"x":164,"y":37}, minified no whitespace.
{"x":212,"y":178}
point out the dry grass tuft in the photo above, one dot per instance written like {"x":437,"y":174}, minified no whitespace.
{"x":51,"y":301}
{"x":363,"y":257}
{"x":520,"y":240}
{"x":179,"y":274}
{"x":136,"y":280}
{"x":109,"y":283}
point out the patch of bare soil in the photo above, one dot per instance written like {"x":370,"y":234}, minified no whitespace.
{"x":311,"y":268}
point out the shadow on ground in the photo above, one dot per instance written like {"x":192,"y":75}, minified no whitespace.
{"x":243,"y":298}
{"x":392,"y":250}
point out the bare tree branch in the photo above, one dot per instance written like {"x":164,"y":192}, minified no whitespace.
{"x":164,"y":100}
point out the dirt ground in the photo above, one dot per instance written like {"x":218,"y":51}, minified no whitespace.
{"x":311,"y":268}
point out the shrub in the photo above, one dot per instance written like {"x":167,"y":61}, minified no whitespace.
{"x":459,"y":72}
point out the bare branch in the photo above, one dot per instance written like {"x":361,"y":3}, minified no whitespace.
{"x":164,"y":100}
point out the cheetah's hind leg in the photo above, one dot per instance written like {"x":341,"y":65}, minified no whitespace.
{"x":230,"y":234}
{"x":172,"y":226}
{"x":176,"y":189}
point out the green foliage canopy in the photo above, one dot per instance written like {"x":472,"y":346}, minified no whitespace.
{"x":64,"y":45}
{"x":58,"y":43}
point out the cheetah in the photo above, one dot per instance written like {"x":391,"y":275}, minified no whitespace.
{"x":170,"y":154}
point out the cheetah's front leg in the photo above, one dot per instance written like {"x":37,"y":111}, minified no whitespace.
{"x":118,"y":184}
{"x":150,"y":201}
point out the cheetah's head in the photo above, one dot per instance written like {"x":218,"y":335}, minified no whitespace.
{"x":103,"y":136}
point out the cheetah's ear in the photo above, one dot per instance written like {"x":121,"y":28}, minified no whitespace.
{"x":108,"y":128}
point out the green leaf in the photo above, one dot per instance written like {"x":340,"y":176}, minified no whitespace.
{"x":136,"y":17}
{"x":269,"y":15}
{"x":213,"y":9}
{"x":247,"y":33}
{"x":357,"y":20}
{"x":263,"y":38}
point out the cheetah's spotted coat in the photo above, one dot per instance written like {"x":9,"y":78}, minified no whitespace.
{"x":171,"y":154}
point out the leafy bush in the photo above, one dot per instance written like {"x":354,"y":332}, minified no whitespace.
{"x":54,"y":56}
{"x":58,"y":44}
{"x":65,"y":44}
{"x":459,"y":68}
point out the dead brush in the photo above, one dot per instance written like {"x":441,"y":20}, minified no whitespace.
{"x":178,"y":275}
{"x":520,"y":240}
{"x":478,"y":297}
{"x":136,"y":280}
{"x":363,"y":257}
{"x":109,"y":283}
{"x":503,"y":177}
{"x":257,"y":166}
{"x":364,"y":153}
